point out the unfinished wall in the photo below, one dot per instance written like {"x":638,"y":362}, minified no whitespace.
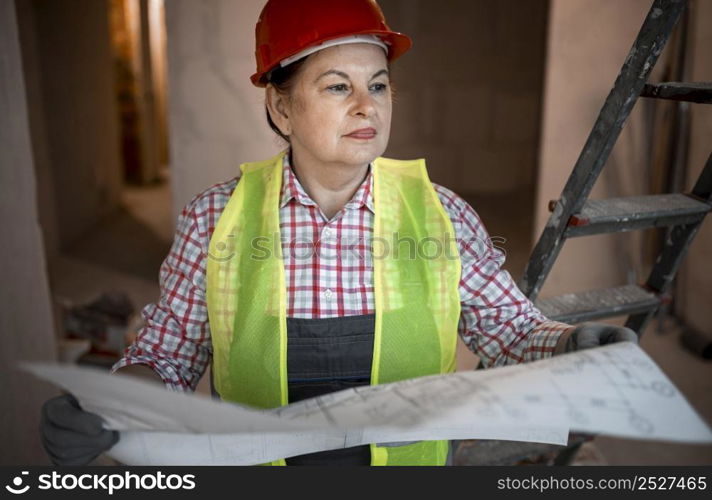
{"x":468,"y":99}
{"x":26,"y":326}
{"x":468,"y":94}
{"x":215,"y":116}
{"x":695,"y":291}
{"x":43,"y":167}
{"x":73,"y":114}
{"x":470,"y":105}
{"x":588,"y":42}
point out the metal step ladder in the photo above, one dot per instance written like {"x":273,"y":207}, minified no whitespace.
{"x":574,"y":215}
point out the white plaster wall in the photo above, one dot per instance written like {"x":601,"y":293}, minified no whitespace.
{"x":26,"y":330}
{"x":215,"y":115}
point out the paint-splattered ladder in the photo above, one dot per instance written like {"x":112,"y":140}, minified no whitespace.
{"x":573,"y":215}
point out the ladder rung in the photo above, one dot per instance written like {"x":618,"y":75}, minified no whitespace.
{"x":637,"y":212}
{"x":595,"y":304}
{"x":700,"y":92}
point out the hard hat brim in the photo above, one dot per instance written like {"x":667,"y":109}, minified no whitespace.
{"x":398,"y":44}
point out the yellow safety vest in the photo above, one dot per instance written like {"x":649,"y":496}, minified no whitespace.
{"x":416,"y":272}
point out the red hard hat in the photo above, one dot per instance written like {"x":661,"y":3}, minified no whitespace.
{"x":286,"y":27}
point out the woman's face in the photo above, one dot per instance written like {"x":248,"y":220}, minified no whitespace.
{"x":339,"y":109}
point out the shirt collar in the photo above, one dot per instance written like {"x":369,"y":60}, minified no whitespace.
{"x":292,"y":189}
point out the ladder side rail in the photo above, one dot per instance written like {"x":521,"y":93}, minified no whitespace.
{"x":648,"y":45}
{"x":664,"y":270}
{"x":674,"y":250}
{"x":703,"y":186}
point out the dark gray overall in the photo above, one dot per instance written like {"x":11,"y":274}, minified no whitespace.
{"x":328,"y":355}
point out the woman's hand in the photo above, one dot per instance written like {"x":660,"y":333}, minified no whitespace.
{"x":593,"y":335}
{"x":72,"y":436}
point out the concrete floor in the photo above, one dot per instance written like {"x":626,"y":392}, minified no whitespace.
{"x":127,"y":250}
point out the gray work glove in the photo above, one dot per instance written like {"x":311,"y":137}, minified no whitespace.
{"x":72,"y":436}
{"x":597,"y":334}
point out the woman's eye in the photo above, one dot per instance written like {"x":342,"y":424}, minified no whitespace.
{"x":379,"y":87}
{"x":339,"y":87}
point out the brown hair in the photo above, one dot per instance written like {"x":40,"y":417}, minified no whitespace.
{"x":282,"y":78}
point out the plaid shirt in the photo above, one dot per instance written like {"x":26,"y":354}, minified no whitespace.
{"x":329,"y":273}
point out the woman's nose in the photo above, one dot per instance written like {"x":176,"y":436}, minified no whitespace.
{"x":363,"y":104}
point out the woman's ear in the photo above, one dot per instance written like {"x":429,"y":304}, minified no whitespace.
{"x":277,"y":106}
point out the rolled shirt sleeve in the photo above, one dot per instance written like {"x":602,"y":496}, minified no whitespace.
{"x":497,"y":321}
{"x":175,"y":338}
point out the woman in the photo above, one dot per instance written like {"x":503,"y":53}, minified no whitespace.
{"x":327,"y":266}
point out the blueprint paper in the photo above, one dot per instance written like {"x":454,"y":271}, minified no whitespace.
{"x":165,"y":448}
{"x":126,"y":402}
{"x":129,"y":403}
{"x":615,"y":390}
{"x":159,"y":448}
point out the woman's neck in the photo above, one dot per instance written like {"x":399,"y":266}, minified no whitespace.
{"x":331,"y":186}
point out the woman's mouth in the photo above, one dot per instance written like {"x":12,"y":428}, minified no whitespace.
{"x":363,"y":133}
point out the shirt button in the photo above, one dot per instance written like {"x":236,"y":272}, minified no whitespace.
{"x":328,"y":293}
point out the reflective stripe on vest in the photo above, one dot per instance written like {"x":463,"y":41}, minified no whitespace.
{"x":416,"y":272}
